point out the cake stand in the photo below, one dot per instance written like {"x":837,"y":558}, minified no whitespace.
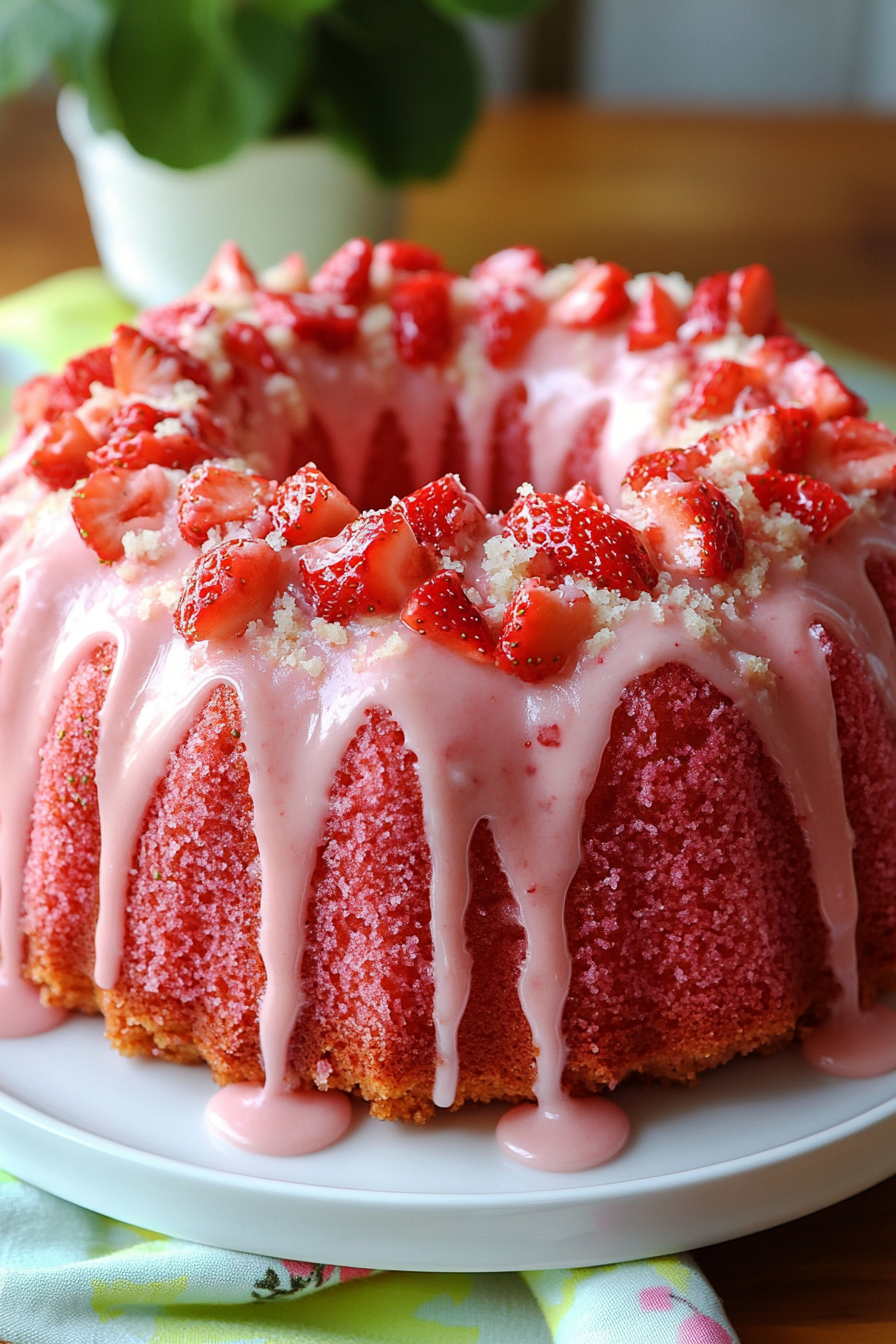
{"x":759,"y":1142}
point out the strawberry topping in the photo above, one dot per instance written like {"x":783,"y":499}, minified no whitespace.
{"x":113,"y":501}
{"x":752,"y":300}
{"x":421,"y":317}
{"x":814,"y":503}
{"x":852,"y":454}
{"x":597,"y":297}
{"x":670,"y":464}
{"x":655,"y":320}
{"x":398,"y":255}
{"x":776,"y":435}
{"x":346,"y":274}
{"x":143,"y":365}
{"x":229,"y":273}
{"x":373,"y":565}
{"x":439,"y":511}
{"x":62,"y":457}
{"x":707,"y":316}
{"x":213,"y":496}
{"x":715,"y":390}
{"x":695,"y":527}
{"x":570,"y":540}
{"x":226,"y":588}
{"x":509,"y":317}
{"x":582,"y":495}
{"x":441,"y":609}
{"x":248,"y":348}
{"x":47,"y":397}
{"x":511,"y":265}
{"x":310,"y":317}
{"x":308,"y":506}
{"x":133,"y":444}
{"x":541,"y":628}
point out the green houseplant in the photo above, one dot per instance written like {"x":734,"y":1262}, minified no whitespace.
{"x":179,"y":112}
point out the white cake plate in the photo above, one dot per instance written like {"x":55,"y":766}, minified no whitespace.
{"x":757,"y":1143}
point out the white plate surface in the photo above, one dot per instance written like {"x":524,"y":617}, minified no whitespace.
{"x":758,"y":1142}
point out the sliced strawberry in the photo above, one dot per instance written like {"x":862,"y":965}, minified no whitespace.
{"x":541,"y":629}
{"x":213,"y":496}
{"x":597,"y":297}
{"x":132,"y":444}
{"x":584,"y":497}
{"x":777,"y":352}
{"x":287,"y":276}
{"x":421,"y":317}
{"x":695,"y":527}
{"x":441,"y":609}
{"x":570,"y":541}
{"x":439,"y":511}
{"x":61,"y":459}
{"x":311,"y":317}
{"x":509,"y":317}
{"x":49,"y":396}
{"x":346,"y":274}
{"x":142,"y":365}
{"x":811,"y":382}
{"x":373,"y":565}
{"x":752,"y":301}
{"x":707,"y":315}
{"x":777,"y":436}
{"x":852,"y":454}
{"x":715,"y":390}
{"x":511,"y":265}
{"x":247,"y":348}
{"x":113,"y":501}
{"x":169,"y":322}
{"x":307,"y":506}
{"x":670,"y":464}
{"x":814,"y":503}
{"x":229,"y":273}
{"x":655,"y":320}
{"x":226,"y":588}
{"x":398,"y":255}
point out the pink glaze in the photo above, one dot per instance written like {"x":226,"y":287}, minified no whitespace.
{"x":472,"y":753}
{"x":21,"y":1011}
{"x":572,"y":1134}
{"x":279,"y":1123}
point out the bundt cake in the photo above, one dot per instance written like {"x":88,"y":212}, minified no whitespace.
{"x":450,"y":689}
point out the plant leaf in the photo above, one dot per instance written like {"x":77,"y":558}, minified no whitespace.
{"x":295,"y":11}
{"x":195,"y":79}
{"x":490,"y":9}
{"x":33,"y":33}
{"x":395,"y":83}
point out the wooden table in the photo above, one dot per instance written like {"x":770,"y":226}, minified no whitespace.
{"x":813,"y":197}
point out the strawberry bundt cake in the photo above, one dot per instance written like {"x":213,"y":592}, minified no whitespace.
{"x":449,"y":689}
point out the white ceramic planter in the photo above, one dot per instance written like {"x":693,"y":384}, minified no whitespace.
{"x":157,"y":228}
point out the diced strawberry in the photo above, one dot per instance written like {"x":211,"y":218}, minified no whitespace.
{"x":655,"y":320}
{"x":226,"y":588}
{"x":213,"y":496}
{"x":114,"y":501}
{"x":777,"y":352}
{"x":597,"y":297}
{"x":421,"y":317}
{"x":61,"y":458}
{"x":311,"y":317}
{"x":814,"y":503}
{"x":752,"y":301}
{"x":509,"y":317}
{"x":811,"y":382}
{"x":695,"y":527}
{"x":571,"y":540}
{"x":307,"y":506}
{"x":852,"y":454}
{"x":132,"y":444}
{"x":49,"y":396}
{"x":707,"y":315}
{"x":373,"y":565}
{"x":247,"y":348}
{"x":142,"y":365}
{"x":511,"y":265}
{"x":229,"y":273}
{"x":441,"y":609}
{"x":169,"y":322}
{"x":715,"y":390}
{"x":670,"y":464}
{"x":776,"y":435}
{"x":346,"y":274}
{"x":287,"y":276}
{"x":437,"y":512}
{"x":542,"y":628}
{"x":584,"y":497}
{"x":398,"y":255}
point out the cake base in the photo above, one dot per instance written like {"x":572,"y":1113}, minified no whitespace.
{"x":757,"y":1143}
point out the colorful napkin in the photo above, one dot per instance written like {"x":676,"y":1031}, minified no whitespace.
{"x":68,"y":1276}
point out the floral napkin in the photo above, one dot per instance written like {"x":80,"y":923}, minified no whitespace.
{"x":68,"y":1276}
